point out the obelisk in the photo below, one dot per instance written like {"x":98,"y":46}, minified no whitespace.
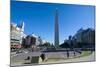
{"x":56,"y":37}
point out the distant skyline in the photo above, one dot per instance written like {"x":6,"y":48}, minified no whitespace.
{"x":39,"y":18}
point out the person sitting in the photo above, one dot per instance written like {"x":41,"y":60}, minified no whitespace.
{"x":42,"y":57}
{"x":28,"y":58}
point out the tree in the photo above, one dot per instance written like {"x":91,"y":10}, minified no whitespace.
{"x":65,"y":45}
{"x":47,"y":44}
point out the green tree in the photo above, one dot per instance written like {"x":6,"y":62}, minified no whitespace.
{"x":47,"y":44}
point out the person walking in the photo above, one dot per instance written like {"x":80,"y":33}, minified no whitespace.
{"x":67,"y":53}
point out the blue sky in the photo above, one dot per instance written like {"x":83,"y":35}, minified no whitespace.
{"x":39,"y":18}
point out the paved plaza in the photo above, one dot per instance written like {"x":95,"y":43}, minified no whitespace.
{"x":52,"y":57}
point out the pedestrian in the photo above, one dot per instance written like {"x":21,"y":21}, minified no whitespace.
{"x":28,"y":58}
{"x":67,"y":53}
{"x":74,"y":53}
{"x":42,"y":57}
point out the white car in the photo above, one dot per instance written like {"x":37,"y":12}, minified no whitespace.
{"x":18,"y":52}
{"x":26,"y":52}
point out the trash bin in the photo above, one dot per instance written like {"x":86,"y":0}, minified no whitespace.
{"x":35,"y":59}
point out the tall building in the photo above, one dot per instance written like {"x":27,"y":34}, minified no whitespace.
{"x":56,"y":37}
{"x":85,"y":36}
{"x":79,"y":35}
{"x":31,"y":40}
{"x":21,"y":26}
{"x":16,"y":34}
{"x":89,"y":36}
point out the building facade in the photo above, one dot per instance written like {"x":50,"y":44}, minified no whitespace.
{"x":16,"y":34}
{"x":85,"y":36}
{"x":31,"y":40}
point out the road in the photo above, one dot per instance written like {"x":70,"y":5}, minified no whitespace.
{"x":80,"y":59}
{"x":22,"y":56}
{"x":19,"y":59}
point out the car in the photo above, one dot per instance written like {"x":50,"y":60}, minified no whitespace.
{"x":18,"y":52}
{"x":26,"y":51}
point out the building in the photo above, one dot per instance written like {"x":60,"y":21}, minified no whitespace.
{"x":31,"y":40}
{"x":68,"y":40}
{"x":16,"y":34}
{"x":28,"y":41}
{"x":85,"y":36}
{"x":38,"y":39}
{"x":79,"y":35}
{"x":89,"y":36}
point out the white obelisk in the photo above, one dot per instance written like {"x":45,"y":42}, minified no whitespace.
{"x":56,"y":37}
